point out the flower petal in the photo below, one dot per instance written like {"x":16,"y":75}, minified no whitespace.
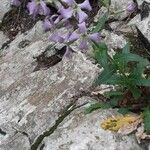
{"x":85,"y":5}
{"x":55,"y":37}
{"x":131,"y":7}
{"x":83,"y":45}
{"x":66,"y":13}
{"x":68,"y":53}
{"x":96,"y":37}
{"x":44,"y":9}
{"x":15,"y":2}
{"x":58,"y":19}
{"x":81,"y":16}
{"x":47,"y":24}
{"x":73,"y":37}
{"x":82,"y":27}
{"x":33,"y":8}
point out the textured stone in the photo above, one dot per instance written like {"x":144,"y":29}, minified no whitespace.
{"x":143,"y":26}
{"x":30,"y":101}
{"x":4,"y":7}
{"x":141,"y":1}
{"x":83,"y":132}
{"x":113,"y":40}
{"x":119,"y":6}
{"x":3,"y":39}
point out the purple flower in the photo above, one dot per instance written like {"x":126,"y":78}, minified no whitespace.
{"x":75,"y":10}
{"x":82,"y":27}
{"x":131,"y":7}
{"x":85,"y":5}
{"x":36,"y":8}
{"x":83,"y":45}
{"x":47,"y":24}
{"x":43,"y":9}
{"x":64,"y":37}
{"x":55,"y":19}
{"x":56,"y":37}
{"x":96,"y":37}
{"x":68,"y":53}
{"x":82,"y":16}
{"x":66,"y":13}
{"x":73,"y":37}
{"x":15,"y":2}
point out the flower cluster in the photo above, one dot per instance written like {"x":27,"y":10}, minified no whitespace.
{"x":15,"y":2}
{"x":131,"y":7}
{"x":67,"y":9}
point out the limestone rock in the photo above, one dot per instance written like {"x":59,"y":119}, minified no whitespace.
{"x":4,"y":7}
{"x":31,"y":102}
{"x":141,"y":1}
{"x":79,"y":131}
{"x":113,"y":40}
{"x":3,"y":39}
{"x":143,"y":26}
{"x":119,"y":6}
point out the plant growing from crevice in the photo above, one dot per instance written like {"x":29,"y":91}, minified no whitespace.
{"x":126,"y":71}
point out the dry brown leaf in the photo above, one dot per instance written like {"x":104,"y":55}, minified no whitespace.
{"x":127,"y":129}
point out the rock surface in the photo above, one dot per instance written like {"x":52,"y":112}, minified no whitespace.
{"x":143,"y":28}
{"x":4,"y":7}
{"x":45,"y":109}
{"x":83,"y":132}
{"x":31,"y":101}
{"x":118,"y":8}
{"x":3,"y":39}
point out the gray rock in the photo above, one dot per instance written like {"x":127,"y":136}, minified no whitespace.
{"x":3,"y":39}
{"x":119,"y":8}
{"x":83,"y":132}
{"x":4,"y":7}
{"x":141,"y":1}
{"x":32,"y":102}
{"x":143,"y":26}
{"x":113,"y":40}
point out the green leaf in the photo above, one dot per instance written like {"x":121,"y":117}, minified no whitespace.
{"x":114,"y":101}
{"x":140,"y":67}
{"x":146,"y":117}
{"x":123,"y":111}
{"x":100,"y":51}
{"x":113,"y":93}
{"x":96,"y":106}
{"x":115,"y":79}
{"x":144,"y":82}
{"x":135,"y":92}
{"x":105,"y":76}
{"x":124,"y":58}
{"x":101,"y":23}
{"x":126,"y":49}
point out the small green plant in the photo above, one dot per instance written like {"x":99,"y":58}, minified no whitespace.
{"x":126,"y":71}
